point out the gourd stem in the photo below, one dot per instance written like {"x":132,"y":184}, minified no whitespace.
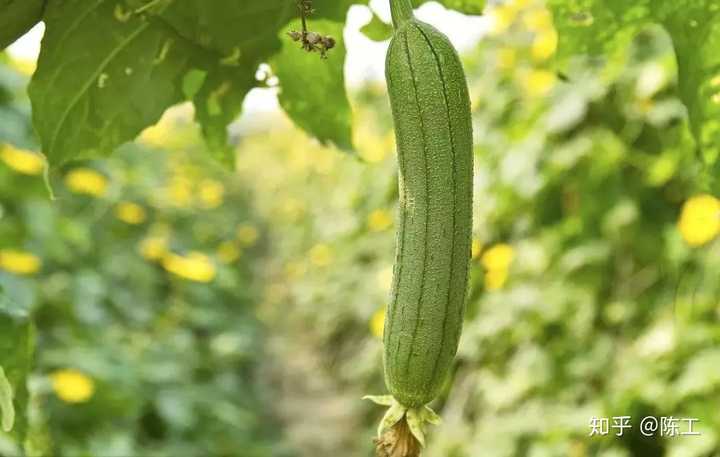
{"x":401,"y":11}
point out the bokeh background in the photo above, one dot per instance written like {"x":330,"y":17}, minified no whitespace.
{"x":183,"y":309}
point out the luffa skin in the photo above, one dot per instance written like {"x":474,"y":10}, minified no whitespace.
{"x":431,"y":109}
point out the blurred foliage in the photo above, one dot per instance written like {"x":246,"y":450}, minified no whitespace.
{"x":140,"y":280}
{"x":590,"y":294}
{"x":593,"y":283}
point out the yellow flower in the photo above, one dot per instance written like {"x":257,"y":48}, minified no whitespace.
{"x":154,"y":247}
{"x":538,"y":20}
{"x":385,"y":278}
{"x":379,"y":220}
{"x":498,"y":257}
{"x":72,"y":386}
{"x":377,"y":322}
{"x":321,"y":255}
{"x":22,"y":161}
{"x":501,"y":18}
{"x":86,"y":181}
{"x":544,"y":45}
{"x":228,"y":252}
{"x":506,"y":58}
{"x":195,"y":266}
{"x":211,"y":193}
{"x":23,"y":66}
{"x":19,"y":262}
{"x":130,"y":213}
{"x":522,"y":4}
{"x":180,"y":192}
{"x":700,"y":219}
{"x":476,"y":248}
{"x":495,"y":279}
{"x":247,"y":235}
{"x":538,"y":83}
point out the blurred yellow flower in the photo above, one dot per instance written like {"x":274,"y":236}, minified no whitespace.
{"x":379,"y":220}
{"x":72,"y":386}
{"x":377,"y":322}
{"x":538,"y":20}
{"x":247,"y":235}
{"x":495,"y":279}
{"x":498,"y":257}
{"x":19,"y":262}
{"x":522,"y":4}
{"x":228,"y":252}
{"x":154,"y":247}
{"x":544,"y":45}
{"x":86,"y":181}
{"x":476,"y":248}
{"x":23,"y":66}
{"x":385,"y":278}
{"x":211,"y":193}
{"x":321,"y":255}
{"x":496,"y":261}
{"x":700,"y":219}
{"x":22,"y":161}
{"x":180,"y":191}
{"x":538,"y":83}
{"x":130,"y":213}
{"x":195,"y":266}
{"x":506,"y":58}
{"x":502,"y":18}
{"x":157,"y":135}
{"x":374,"y":151}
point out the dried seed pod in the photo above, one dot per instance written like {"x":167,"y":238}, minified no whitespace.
{"x":313,"y":38}
{"x":328,"y":42}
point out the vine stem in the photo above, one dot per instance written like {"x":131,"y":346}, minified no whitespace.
{"x":401,"y":11}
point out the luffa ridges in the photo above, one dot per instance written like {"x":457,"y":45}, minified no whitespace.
{"x":431,"y":109}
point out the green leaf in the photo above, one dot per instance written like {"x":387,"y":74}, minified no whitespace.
{"x":602,"y":28}
{"x":392,"y":416}
{"x":17,"y":17}
{"x":94,"y":89}
{"x":415,"y":423}
{"x":695,"y":31}
{"x":106,"y":72}
{"x":7,"y":410}
{"x":16,"y":350}
{"x":382,"y":400}
{"x":312,"y":90}
{"x":430,"y":416}
{"x":598,"y":27}
{"x":377,"y":29}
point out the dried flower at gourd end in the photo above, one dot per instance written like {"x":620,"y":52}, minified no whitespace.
{"x":398,"y":441}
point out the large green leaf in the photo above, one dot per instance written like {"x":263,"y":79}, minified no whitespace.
{"x":103,"y":76}
{"x":95,"y":90}
{"x":17,"y":17}
{"x":109,"y":68}
{"x":695,"y":30}
{"x":604,"y":28}
{"x":312,"y":90}
{"x":598,"y":27}
{"x":16,"y":351}
{"x":377,"y":29}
